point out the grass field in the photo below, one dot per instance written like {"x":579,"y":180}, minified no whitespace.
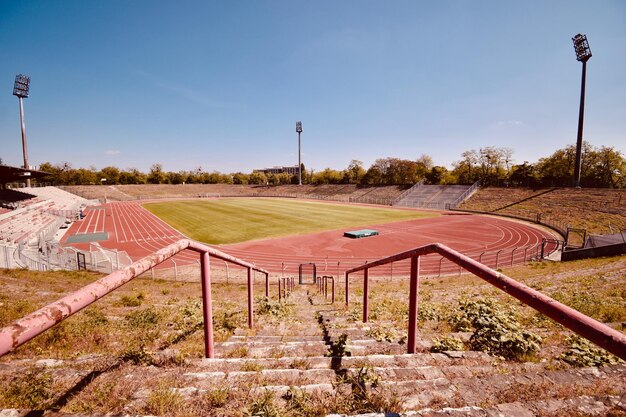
{"x":241,"y":219}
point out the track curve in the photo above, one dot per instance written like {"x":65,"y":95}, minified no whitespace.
{"x":493,"y":241}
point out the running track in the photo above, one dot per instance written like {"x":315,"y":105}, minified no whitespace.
{"x":494,"y":241}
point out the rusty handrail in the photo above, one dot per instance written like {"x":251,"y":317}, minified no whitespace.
{"x":32,"y":325}
{"x":598,"y":333}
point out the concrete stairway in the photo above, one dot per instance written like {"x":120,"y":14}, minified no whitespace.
{"x":324,"y":358}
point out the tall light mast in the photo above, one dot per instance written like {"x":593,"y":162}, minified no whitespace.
{"x":583,"y":53}
{"x":20,"y":90}
{"x":299,"y":130}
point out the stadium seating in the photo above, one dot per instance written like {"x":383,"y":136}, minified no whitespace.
{"x":433,"y":196}
{"x":12,"y":198}
{"x":62,"y":200}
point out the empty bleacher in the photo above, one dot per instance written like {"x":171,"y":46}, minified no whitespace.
{"x":62,"y":200}
{"x":11,"y":199}
{"x":37,"y":213}
{"x":433,"y":196}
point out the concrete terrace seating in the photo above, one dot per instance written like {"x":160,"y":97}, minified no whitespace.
{"x":433,"y":196}
{"x":62,"y":200}
{"x":324,"y":354}
{"x":338,"y":192}
{"x":599,"y":210}
{"x":12,"y":198}
{"x":24,"y":224}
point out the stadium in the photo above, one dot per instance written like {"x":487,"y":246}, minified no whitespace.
{"x":51,"y":228}
{"x":474,"y":287}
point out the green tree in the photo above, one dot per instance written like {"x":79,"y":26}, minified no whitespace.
{"x":132,"y":176}
{"x":606,"y":168}
{"x":112,"y":175}
{"x":240,"y":178}
{"x":524,"y":175}
{"x":156,"y":175}
{"x":436,"y":175}
{"x":257,"y":177}
{"x":354,"y":173}
{"x":327,"y":176}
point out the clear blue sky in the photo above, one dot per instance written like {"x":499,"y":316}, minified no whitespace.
{"x":220,"y":84}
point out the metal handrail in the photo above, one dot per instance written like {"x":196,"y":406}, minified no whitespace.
{"x":598,"y":333}
{"x":32,"y":325}
{"x":407,"y":192}
{"x":466,"y":194}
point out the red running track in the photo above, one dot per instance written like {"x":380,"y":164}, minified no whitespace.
{"x":494,"y":241}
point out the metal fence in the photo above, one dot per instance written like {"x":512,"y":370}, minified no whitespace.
{"x":557,"y":225}
{"x":56,"y":257}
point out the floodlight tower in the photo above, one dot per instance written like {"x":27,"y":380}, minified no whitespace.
{"x":583,"y":53}
{"x":299,"y":130}
{"x":20,"y":90}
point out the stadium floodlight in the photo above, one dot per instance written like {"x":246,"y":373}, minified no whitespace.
{"x":299,"y":130}
{"x":20,"y":90}
{"x":21,"y":86}
{"x":583,"y":53}
{"x":581,"y":46}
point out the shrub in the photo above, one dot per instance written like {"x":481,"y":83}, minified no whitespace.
{"x":447,"y":343}
{"x":385,"y":334}
{"x":275,"y":310}
{"x":496,"y":329}
{"x":164,"y":401}
{"x":264,"y":406}
{"x":581,"y":352}
{"x":30,"y":390}
{"x":146,"y":318}
{"x":137,"y":355}
{"x":134,"y":300}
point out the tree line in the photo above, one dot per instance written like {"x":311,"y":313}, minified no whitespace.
{"x":601,"y":167}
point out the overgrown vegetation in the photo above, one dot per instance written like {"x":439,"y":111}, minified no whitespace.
{"x":447,"y":343}
{"x":581,"y":352}
{"x":495,"y":329}
{"x":273,"y":309}
{"x":29,"y":390}
{"x":145,"y":350}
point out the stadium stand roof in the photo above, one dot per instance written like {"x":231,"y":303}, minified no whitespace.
{"x":14,"y":174}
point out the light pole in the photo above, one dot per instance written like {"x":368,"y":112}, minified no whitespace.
{"x":299,"y":130}
{"x":583,"y":53}
{"x":20,"y":90}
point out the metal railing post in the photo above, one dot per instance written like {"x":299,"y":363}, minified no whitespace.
{"x":513,"y":255}
{"x":497,"y":256}
{"x":347,"y":289}
{"x":280,"y":294}
{"x":250,"y":299}
{"x":440,"y":261}
{"x":267,"y":286}
{"x":207,"y":306}
{"x":325,"y":287}
{"x":366,"y":294}
{"x":333,"y":290}
{"x":413,"y":303}
{"x":525,"y":253}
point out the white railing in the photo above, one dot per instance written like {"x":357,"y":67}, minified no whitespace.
{"x":406,"y":193}
{"x":465,"y":195}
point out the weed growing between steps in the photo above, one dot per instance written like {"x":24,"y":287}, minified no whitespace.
{"x":338,"y":349}
{"x":274,"y":310}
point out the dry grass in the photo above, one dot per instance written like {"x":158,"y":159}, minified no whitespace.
{"x":600,"y":211}
{"x":136,"y":344}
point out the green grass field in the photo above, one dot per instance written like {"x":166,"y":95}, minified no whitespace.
{"x":241,"y":219}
